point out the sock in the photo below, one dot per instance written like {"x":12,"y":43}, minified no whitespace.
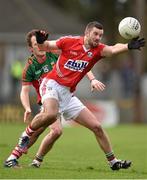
{"x":39,"y":158}
{"x":28,"y":132}
{"x":11,"y":157}
{"x":16,"y":154}
{"x":111,"y":158}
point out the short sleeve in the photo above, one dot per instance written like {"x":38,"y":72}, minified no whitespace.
{"x":64,"y":42}
{"x":27,"y":76}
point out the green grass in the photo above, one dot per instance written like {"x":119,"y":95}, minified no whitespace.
{"x":77,"y":156}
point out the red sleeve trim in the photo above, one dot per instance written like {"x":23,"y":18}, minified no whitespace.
{"x":26,"y":83}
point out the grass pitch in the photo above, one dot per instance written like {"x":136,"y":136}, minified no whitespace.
{"x":76,"y":154}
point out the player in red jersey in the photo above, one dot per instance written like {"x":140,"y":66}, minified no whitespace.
{"x":78,"y":56}
{"x":36,"y":68}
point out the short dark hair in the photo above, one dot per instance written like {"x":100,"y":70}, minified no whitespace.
{"x":93,"y":24}
{"x":29,"y":35}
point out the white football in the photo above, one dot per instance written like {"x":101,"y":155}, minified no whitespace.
{"x":129,"y":28}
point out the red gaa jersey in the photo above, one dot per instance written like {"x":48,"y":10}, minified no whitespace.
{"x":74,"y":62}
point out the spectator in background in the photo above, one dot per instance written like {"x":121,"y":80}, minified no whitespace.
{"x":105,"y":71}
{"x":16,"y":74}
{"x":129,"y":77}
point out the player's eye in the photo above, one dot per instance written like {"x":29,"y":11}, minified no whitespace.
{"x":100,"y":36}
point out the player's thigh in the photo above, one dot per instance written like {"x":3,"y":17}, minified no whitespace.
{"x":87,"y":119}
{"x":50,"y":105}
{"x":73,"y":109}
{"x":49,"y":96}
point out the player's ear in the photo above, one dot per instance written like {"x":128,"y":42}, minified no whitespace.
{"x":31,"y":49}
{"x":86,"y":32}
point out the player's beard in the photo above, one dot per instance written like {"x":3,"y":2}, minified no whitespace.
{"x":93,"y":43}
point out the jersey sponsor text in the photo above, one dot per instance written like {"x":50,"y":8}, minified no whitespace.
{"x":76,"y":65}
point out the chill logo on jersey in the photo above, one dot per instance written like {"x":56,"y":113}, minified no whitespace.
{"x":76,"y":65}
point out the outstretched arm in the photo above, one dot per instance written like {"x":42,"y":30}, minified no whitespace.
{"x":43,"y":43}
{"x":48,"y":46}
{"x":109,"y":51}
{"x":135,"y":43}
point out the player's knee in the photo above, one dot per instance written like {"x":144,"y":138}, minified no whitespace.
{"x":57,"y":132}
{"x":98,"y":130}
{"x":38,"y":132}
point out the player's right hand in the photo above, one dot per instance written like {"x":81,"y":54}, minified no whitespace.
{"x":27,"y":115}
{"x":41,"y":36}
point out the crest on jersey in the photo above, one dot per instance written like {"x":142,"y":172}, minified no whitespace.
{"x":76,"y":65}
{"x":52,"y":63}
{"x":90,"y":54}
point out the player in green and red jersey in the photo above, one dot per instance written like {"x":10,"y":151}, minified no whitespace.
{"x":36,"y":68}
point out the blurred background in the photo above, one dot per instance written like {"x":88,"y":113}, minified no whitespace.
{"x":125,"y":76}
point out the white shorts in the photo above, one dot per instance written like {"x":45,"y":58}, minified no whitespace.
{"x":69,"y":105}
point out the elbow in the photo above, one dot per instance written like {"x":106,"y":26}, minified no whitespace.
{"x":113,"y":52}
{"x":110,"y":53}
{"x":21,"y":95}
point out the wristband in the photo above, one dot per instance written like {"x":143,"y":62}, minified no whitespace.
{"x":92,"y":79}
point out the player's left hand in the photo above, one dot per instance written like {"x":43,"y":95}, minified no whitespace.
{"x":95,"y":84}
{"x":136,"y":43}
